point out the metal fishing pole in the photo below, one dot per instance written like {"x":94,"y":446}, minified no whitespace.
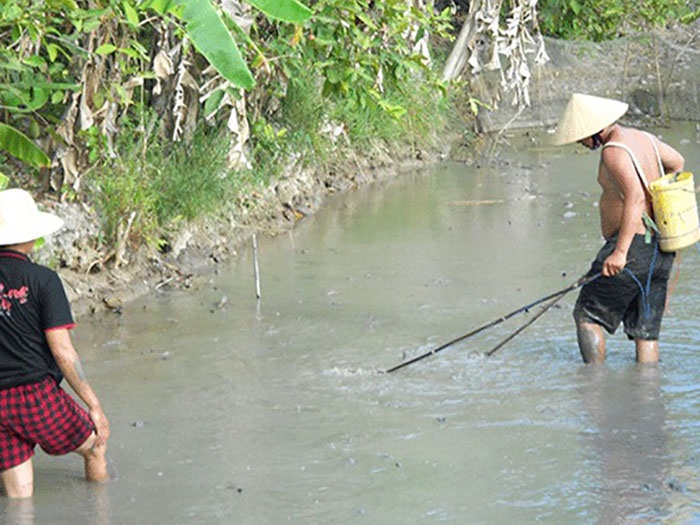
{"x":534,"y":318}
{"x":556,"y":295}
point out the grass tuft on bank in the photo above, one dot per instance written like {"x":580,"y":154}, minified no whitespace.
{"x":150,"y":189}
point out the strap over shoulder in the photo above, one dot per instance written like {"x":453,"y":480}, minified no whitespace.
{"x":638,"y":166}
{"x":635,"y":162}
{"x":656,"y":151}
{"x":648,"y":221}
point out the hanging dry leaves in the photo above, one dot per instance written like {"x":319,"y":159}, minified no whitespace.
{"x":486,"y":43}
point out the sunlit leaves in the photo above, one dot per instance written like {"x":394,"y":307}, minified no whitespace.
{"x":132,"y":16}
{"x":289,"y":11}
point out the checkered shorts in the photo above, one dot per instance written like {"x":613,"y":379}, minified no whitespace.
{"x":40,"y":414}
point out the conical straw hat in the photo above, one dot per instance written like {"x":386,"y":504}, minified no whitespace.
{"x":586,"y":115}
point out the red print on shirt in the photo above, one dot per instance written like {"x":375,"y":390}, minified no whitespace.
{"x":19,"y":294}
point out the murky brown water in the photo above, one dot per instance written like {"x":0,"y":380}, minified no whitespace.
{"x":276,"y":413}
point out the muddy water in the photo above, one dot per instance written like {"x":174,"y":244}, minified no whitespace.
{"x":229,"y":410}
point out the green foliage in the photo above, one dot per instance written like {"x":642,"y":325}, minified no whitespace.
{"x":580,"y":19}
{"x":599,"y":20}
{"x":367,"y":84}
{"x":160,"y":185}
{"x":212,"y":37}
{"x":647,"y":14}
{"x":215,"y":42}
{"x":122,"y":191}
{"x":42,"y":46}
{"x":270,"y":146}
{"x":350,"y":67}
{"x":19,"y":145}
{"x":303,"y":107}
{"x":119,"y":188}
{"x":34,"y":73}
{"x":35,"y":53}
{"x":363,"y":53}
{"x":191,"y":180}
{"x":284,"y":10}
{"x":307,"y":117}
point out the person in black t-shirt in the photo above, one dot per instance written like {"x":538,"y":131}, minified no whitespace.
{"x":36,"y":353}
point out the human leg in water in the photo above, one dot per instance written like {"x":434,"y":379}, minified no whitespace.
{"x":591,"y":342}
{"x":647,"y":351}
{"x":95,"y":459}
{"x":19,"y":480}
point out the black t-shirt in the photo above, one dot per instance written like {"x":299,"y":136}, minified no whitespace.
{"x":32,"y":302}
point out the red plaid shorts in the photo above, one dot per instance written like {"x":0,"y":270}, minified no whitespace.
{"x":40,"y":414}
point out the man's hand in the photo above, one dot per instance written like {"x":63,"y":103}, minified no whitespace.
{"x":614,"y":264}
{"x":101,"y":426}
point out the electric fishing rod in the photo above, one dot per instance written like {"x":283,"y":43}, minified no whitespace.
{"x":534,"y":318}
{"x":556,"y":295}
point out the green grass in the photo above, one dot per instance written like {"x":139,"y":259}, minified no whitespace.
{"x":162,"y":185}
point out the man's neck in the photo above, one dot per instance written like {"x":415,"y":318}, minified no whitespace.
{"x":607,"y":133}
{"x":25,"y":247}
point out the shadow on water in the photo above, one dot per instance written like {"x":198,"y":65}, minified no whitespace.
{"x":69,"y":500}
{"x":628,"y":439}
{"x":228,"y":410}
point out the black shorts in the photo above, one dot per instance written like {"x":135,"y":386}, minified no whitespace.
{"x":636,"y":297}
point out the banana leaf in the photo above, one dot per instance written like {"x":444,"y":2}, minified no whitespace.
{"x":213,"y":39}
{"x":290,"y":11}
{"x":19,"y":145}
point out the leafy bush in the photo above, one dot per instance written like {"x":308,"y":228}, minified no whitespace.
{"x":599,"y":20}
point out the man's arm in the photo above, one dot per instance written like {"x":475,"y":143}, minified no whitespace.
{"x":672,"y":160}
{"x":68,"y":361}
{"x":620,"y":168}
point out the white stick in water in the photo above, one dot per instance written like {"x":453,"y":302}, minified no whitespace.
{"x":256,"y":267}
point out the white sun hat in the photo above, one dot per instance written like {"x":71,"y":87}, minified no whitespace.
{"x":586,"y":115}
{"x":20,"y":219}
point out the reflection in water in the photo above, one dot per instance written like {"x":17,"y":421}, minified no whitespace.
{"x":91,"y":507}
{"x":98,"y":498}
{"x":19,"y":512}
{"x":628,"y":413}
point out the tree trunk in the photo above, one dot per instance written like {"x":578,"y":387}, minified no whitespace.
{"x":454,"y":66}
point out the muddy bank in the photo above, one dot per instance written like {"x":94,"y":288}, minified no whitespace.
{"x":94,"y":283}
{"x":625,"y":69}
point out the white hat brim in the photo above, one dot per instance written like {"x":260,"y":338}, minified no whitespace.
{"x":42,"y":224}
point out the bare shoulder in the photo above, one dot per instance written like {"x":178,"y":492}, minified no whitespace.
{"x":616,"y":159}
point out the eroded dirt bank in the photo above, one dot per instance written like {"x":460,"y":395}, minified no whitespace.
{"x":94,"y":283}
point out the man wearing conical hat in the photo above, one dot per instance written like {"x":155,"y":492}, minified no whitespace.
{"x":633,"y":271}
{"x":36,"y":353}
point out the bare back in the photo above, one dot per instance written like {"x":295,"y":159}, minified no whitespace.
{"x":620,"y":182}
